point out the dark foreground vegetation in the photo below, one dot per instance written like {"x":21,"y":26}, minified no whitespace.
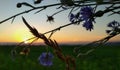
{"x":103,"y":58}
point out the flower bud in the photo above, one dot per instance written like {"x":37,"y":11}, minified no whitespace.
{"x":19,"y":5}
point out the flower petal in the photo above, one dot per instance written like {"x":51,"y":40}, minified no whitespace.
{"x":88,"y":25}
{"x":108,"y":31}
{"x":45,"y":59}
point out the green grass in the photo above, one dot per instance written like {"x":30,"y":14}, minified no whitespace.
{"x":103,"y":58}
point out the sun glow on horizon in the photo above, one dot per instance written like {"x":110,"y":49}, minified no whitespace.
{"x":22,"y":35}
{"x":25,"y":40}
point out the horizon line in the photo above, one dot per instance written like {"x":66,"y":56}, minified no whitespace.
{"x":41,"y":43}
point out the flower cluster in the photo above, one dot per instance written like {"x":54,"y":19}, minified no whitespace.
{"x":88,"y":25}
{"x":115,"y":27}
{"x":86,"y":14}
{"x":45,"y":59}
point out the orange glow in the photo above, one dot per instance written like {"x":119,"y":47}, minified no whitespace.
{"x":16,"y":36}
{"x":22,"y":35}
{"x":25,"y":40}
{"x":63,"y":36}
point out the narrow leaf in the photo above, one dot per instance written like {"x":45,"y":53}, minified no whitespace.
{"x":26,"y":23}
{"x":32,"y":30}
{"x":12,"y":20}
{"x":39,"y":10}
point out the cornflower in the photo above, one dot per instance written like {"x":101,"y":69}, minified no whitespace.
{"x":45,"y":59}
{"x":115,"y":27}
{"x":87,"y":16}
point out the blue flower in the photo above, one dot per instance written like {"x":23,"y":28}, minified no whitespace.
{"x":87,"y":16}
{"x":45,"y":59}
{"x":88,"y":25}
{"x":115,"y":27}
{"x":86,"y":12}
{"x":74,"y":17}
{"x":114,"y":24}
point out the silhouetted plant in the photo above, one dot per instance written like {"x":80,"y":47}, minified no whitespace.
{"x":87,"y":14}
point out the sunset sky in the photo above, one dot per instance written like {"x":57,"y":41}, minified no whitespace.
{"x":17,"y":31}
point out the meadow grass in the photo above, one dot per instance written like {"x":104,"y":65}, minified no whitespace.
{"x":103,"y":58}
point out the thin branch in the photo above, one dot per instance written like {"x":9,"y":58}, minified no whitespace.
{"x":34,"y":40}
{"x":114,"y":12}
{"x":51,"y":35}
{"x":26,"y":4}
{"x":105,"y":11}
{"x":99,"y":43}
{"x":56,"y":29}
{"x":86,"y":53}
{"x":58,"y":12}
{"x":71,"y":11}
{"x":26,"y":40}
{"x":40,"y":10}
{"x":104,"y":3}
{"x":28,"y":11}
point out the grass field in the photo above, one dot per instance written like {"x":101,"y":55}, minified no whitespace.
{"x":103,"y":58}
